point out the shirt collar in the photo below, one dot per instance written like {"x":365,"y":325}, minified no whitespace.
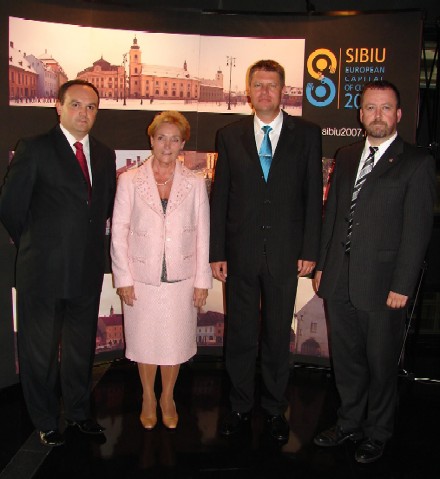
{"x":276,"y":123}
{"x":72,"y":140}
{"x":382,"y":147}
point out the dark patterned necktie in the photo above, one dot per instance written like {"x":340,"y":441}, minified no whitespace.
{"x":265,"y":152}
{"x":81,"y":157}
{"x":365,"y":171}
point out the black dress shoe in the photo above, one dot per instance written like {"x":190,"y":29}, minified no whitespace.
{"x":51,"y":438}
{"x":335,"y":436}
{"x":235,"y":422}
{"x":87,"y":426}
{"x":370,"y":450}
{"x":278,"y":427}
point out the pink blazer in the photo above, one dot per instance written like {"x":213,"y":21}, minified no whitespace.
{"x":141,"y":233}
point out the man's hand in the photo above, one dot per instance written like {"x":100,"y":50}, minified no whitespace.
{"x":396,"y":300}
{"x":220,"y":270}
{"x":305,"y":267}
{"x":317,"y":280}
{"x":127,"y":294}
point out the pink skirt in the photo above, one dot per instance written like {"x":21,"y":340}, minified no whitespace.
{"x":160,"y":328}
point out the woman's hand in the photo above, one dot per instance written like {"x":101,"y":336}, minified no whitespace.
{"x":199,"y":297}
{"x":127,"y":294}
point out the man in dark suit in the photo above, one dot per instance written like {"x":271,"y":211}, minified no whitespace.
{"x":55,"y":201}
{"x":377,"y":226}
{"x":265,"y":229}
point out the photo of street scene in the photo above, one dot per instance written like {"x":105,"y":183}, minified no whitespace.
{"x":145,"y":70}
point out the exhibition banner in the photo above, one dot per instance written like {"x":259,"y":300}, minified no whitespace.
{"x":327,"y":60}
{"x":196,"y":63}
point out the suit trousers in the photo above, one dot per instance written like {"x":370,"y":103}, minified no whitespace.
{"x":276,"y":297}
{"x":56,"y":345}
{"x":365,"y":348}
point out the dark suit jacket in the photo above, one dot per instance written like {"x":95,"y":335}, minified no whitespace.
{"x":44,"y":206}
{"x":391,"y":226}
{"x":284,"y":214}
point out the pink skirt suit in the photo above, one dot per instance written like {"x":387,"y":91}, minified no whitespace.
{"x":160,"y":328}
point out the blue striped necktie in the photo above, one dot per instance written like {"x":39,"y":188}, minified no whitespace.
{"x":265,"y":152}
{"x":365,"y":171}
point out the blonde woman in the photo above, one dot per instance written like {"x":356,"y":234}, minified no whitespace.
{"x":160,"y":256}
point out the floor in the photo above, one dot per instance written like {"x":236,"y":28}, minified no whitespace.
{"x":194,"y":450}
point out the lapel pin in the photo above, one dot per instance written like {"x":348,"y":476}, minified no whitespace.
{"x":391,"y":160}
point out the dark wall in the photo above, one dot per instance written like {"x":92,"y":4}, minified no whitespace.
{"x":431,"y":7}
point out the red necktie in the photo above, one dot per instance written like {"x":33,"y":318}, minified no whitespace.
{"x":81,"y":157}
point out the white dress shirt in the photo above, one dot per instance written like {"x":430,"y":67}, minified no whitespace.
{"x":274,"y":134}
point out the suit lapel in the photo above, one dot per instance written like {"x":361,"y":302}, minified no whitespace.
{"x":146,"y":188}
{"x":95,"y":165}
{"x":388,"y":160}
{"x":353,"y":165}
{"x":180,"y":189}
{"x":94,"y":159}
{"x":64,"y":150}
{"x":66,"y":155}
{"x":287,"y":136}
{"x":248,"y":140}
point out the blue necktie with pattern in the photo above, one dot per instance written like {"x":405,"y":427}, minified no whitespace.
{"x":265,"y":152}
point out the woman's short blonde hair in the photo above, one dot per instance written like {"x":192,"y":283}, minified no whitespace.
{"x":173,"y":117}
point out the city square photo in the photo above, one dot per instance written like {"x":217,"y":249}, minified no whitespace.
{"x":135,"y":70}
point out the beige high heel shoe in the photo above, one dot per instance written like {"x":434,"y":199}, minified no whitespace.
{"x":170,"y":422}
{"x":148,"y":422}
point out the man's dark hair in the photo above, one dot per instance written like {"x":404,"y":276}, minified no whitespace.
{"x":78,"y":81}
{"x":380,"y":85}
{"x":268,"y":66}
